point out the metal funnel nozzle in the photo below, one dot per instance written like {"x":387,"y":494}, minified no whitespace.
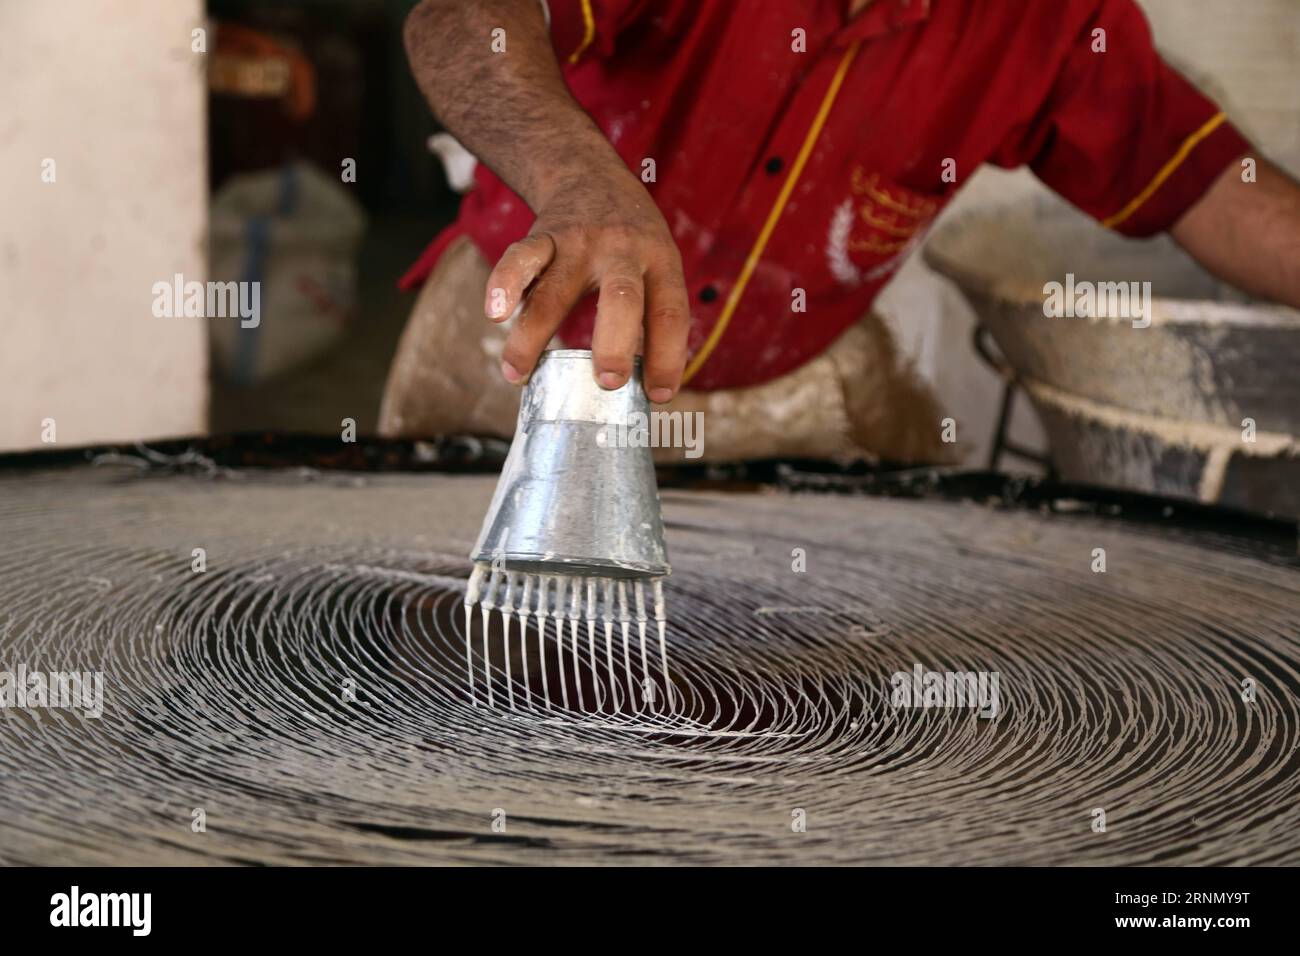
{"x":573,"y":498}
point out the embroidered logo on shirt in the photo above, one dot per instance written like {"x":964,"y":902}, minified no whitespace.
{"x":872,"y":231}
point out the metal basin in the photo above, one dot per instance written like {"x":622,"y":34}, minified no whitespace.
{"x":1202,"y":401}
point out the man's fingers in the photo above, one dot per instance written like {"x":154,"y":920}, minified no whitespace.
{"x":552,"y":298}
{"x":637,"y":307}
{"x":521,"y":263}
{"x":619,"y":314}
{"x":667,"y":324}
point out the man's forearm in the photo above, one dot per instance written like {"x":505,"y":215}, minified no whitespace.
{"x":511,"y":109}
{"x":597,"y":228}
{"x":1248,"y":233}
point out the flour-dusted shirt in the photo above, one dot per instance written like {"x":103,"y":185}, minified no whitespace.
{"x":799,"y":156}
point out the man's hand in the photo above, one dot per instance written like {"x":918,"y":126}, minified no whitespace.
{"x":599,"y":231}
{"x":597,"y":228}
{"x":1248,"y":233}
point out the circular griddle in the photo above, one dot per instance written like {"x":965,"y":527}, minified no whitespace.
{"x":306,"y":691}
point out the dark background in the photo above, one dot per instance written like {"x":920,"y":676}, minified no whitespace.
{"x":368,"y":108}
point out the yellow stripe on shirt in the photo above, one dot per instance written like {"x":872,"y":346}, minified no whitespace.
{"x":1189,"y":144}
{"x":589,"y":31}
{"x":756,"y":253}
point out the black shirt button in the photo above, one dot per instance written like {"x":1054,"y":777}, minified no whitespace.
{"x":773,"y":165}
{"x":708,"y":294}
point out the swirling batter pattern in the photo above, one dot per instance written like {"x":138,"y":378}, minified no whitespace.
{"x":284,"y":681}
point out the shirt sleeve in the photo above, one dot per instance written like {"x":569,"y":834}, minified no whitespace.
{"x":1123,"y":135}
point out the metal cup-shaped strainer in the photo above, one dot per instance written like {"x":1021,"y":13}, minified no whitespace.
{"x":575,"y":496}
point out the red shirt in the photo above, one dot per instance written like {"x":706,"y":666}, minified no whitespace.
{"x":819,"y":171}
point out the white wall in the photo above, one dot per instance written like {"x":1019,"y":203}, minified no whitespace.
{"x":1244,"y":53}
{"x":111,"y":91}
